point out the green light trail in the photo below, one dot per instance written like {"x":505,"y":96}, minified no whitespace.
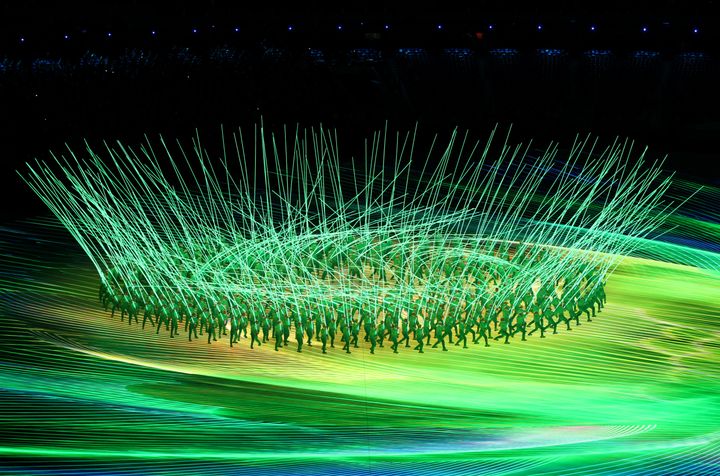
{"x":286,"y":225}
{"x":634,"y":392}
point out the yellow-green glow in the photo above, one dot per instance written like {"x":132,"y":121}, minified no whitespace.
{"x":636,"y":391}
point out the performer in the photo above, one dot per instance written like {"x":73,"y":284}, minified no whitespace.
{"x":278,"y":332}
{"x":372,"y":336}
{"x":548,"y":312}
{"x":174,"y":317}
{"x":420,"y":338}
{"x":381,"y":331}
{"x":211,"y":329}
{"x":254,"y":332}
{"x":405,"y":332}
{"x":332,"y":329}
{"x":324,"y":337}
{"x":462,"y":334}
{"x":449,"y":326}
{"x":192,"y":327}
{"x":286,"y":323}
{"x":520,"y":316}
{"x":469,"y":324}
{"x":233,"y":330}
{"x":310,"y":330}
{"x":299,"y":335}
{"x":149,"y":310}
{"x":242,"y":320}
{"x":163,"y":317}
{"x":346,"y":337}
{"x":427,"y":325}
{"x":265,"y":327}
{"x":394,"y":337}
{"x":505,"y":323}
{"x":560,"y":308}
{"x":483,"y":331}
{"x":440,"y":335}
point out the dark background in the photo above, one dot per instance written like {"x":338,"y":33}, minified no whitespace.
{"x":96,"y":71}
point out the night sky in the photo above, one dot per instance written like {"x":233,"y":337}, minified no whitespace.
{"x":121,"y":70}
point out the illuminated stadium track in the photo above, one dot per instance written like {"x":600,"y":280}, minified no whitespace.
{"x":634,"y":392}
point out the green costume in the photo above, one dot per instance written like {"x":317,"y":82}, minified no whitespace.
{"x":192,"y":327}
{"x":286,"y":328}
{"x":521,"y":325}
{"x":405,"y":332}
{"x":372,"y":337}
{"x":462,"y":334}
{"x":420,"y":338}
{"x":577,"y":311}
{"x":332,"y":329}
{"x":186,"y":312}
{"x":483,"y":331}
{"x":355,"y":331}
{"x":124,"y":306}
{"x":242,"y":325}
{"x":547,"y":314}
{"x":365,"y":318}
{"x":440,"y":335}
{"x":449,"y":326}
{"x":265,"y":326}
{"x":133,"y":309}
{"x":149,"y":310}
{"x":278,"y":331}
{"x":174,"y":317}
{"x":560,"y":313}
{"x":299,"y":333}
{"x":324,"y":337}
{"x":163,"y":316}
{"x":504,"y":330}
{"x":394,"y":338}
{"x":310,"y":331}
{"x":233,"y":330}
{"x":211,"y":329}
{"x":427,"y":326}
{"x":569,"y":306}
{"x":469,"y":326}
{"x":381,"y":332}
{"x":537,"y":321}
{"x":346,"y":337}
{"x":585,"y":305}
{"x":254,"y":331}
{"x":204,"y":316}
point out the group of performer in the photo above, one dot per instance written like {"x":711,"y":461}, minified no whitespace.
{"x":479,"y":303}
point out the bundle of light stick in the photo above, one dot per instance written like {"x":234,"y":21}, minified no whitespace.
{"x":281,"y":236}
